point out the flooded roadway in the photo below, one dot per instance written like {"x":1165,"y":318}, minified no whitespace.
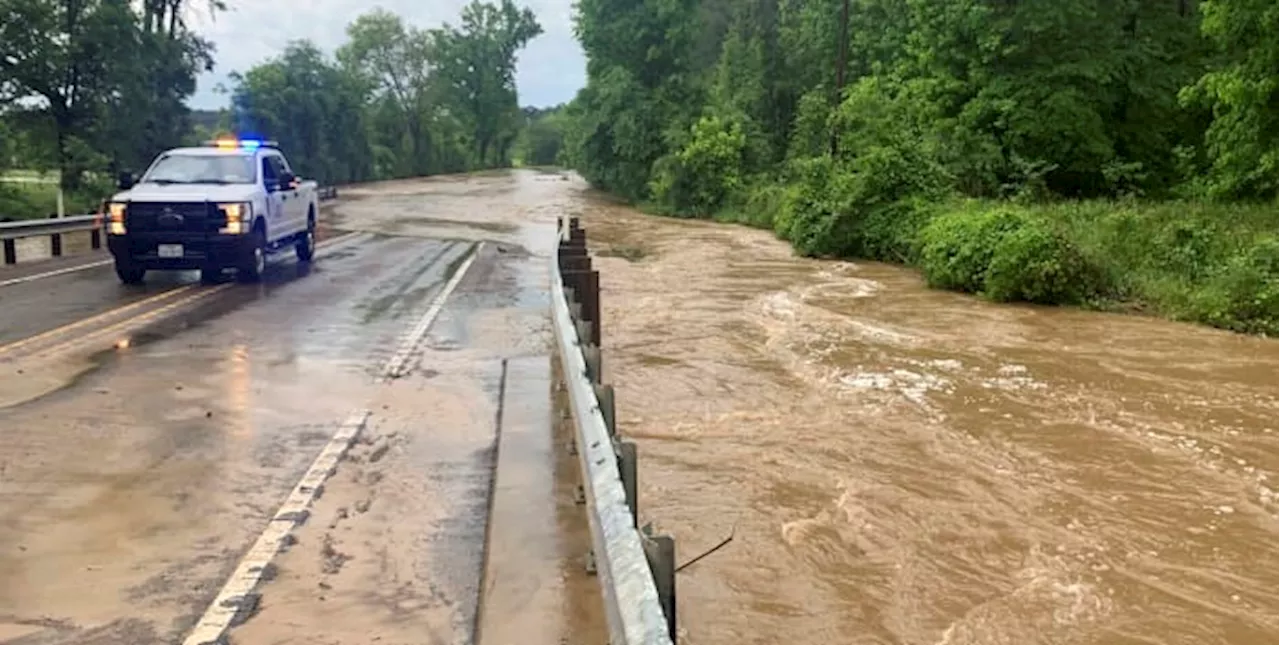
{"x":900,"y":465}
{"x":913,"y":466}
{"x":149,"y":437}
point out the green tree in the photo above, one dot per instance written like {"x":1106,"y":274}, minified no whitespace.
{"x":477,"y":63}
{"x":1241,"y":90}
{"x":396,"y":100}
{"x":62,"y":53}
{"x":82,"y":63}
{"x":312,"y":108}
{"x":393,"y":63}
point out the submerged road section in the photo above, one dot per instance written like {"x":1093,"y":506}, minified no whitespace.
{"x":307,"y":460}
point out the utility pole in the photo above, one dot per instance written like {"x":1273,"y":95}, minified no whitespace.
{"x":842,"y":59}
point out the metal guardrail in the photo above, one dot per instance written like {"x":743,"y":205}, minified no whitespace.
{"x":635,"y":568}
{"x":55,"y":227}
{"x":29,"y":228}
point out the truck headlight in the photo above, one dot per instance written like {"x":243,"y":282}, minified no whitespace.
{"x":236,"y":217}
{"x":115,"y":218}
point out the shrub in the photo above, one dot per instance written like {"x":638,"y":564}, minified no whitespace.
{"x":1244,"y":294}
{"x":1036,"y":263}
{"x":956,"y":249}
{"x":707,"y":169}
{"x":1007,"y":254}
{"x":758,"y":203}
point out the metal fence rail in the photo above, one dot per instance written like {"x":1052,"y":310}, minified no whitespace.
{"x":55,"y":227}
{"x":635,"y":568}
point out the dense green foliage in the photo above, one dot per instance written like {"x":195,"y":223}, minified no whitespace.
{"x":1117,"y":153}
{"x":92,"y":87}
{"x":541,"y":137}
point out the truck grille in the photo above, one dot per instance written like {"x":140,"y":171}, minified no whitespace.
{"x":172,"y":217}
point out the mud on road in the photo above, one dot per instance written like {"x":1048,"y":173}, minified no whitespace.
{"x":159,"y":441}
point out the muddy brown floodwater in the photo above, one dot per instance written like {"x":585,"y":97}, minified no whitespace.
{"x":901,"y":466}
{"x":911,"y":466}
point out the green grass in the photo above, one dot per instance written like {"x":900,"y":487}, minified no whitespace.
{"x":26,"y":200}
{"x":29,"y":174}
{"x":1202,"y":262}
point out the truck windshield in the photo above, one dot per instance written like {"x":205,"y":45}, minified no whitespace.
{"x":202,"y":169}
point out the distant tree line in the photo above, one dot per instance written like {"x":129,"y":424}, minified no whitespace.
{"x":395,"y":101}
{"x":92,"y":87}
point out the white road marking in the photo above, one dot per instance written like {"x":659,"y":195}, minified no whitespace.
{"x":341,"y":239}
{"x":56,"y":272}
{"x":396,"y":365}
{"x":102,"y":263}
{"x":238,"y":598}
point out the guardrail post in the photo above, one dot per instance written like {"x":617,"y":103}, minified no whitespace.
{"x":10,"y":252}
{"x":628,"y":471}
{"x":591,"y":354}
{"x":660,"y":551}
{"x":581,"y":286}
{"x":95,"y":239}
{"x":575,"y":265}
{"x":55,"y":241}
{"x":604,"y":394}
{"x":591,"y":302}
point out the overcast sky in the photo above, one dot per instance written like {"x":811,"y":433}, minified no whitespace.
{"x":550,"y":69}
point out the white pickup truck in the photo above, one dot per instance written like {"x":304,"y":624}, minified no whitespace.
{"x":225,"y":205}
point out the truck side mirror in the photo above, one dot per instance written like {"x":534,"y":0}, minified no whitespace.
{"x":286,"y":181}
{"x":125,"y":181}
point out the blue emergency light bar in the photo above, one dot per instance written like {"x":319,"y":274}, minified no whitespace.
{"x":231,"y":143}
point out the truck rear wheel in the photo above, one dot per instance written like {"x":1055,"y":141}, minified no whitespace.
{"x":130,"y":274}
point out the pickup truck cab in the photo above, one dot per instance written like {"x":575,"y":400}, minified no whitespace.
{"x":226,"y":205}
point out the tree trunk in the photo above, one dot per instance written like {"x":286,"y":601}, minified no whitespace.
{"x":68,"y":175}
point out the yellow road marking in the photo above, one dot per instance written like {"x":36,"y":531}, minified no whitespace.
{"x":95,"y":318}
{"x":127,"y":322}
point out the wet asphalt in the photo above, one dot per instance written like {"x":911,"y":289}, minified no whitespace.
{"x":143,"y":452}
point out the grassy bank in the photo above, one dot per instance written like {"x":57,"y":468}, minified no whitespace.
{"x":28,"y":200}
{"x":1202,"y":262}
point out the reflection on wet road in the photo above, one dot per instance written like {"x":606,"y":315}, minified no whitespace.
{"x":911,"y":466}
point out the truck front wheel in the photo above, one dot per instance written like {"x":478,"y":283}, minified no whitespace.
{"x":130,"y":274}
{"x":255,"y":261}
{"x":305,"y":247}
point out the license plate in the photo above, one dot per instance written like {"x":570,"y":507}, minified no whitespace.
{"x":169,"y":250}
